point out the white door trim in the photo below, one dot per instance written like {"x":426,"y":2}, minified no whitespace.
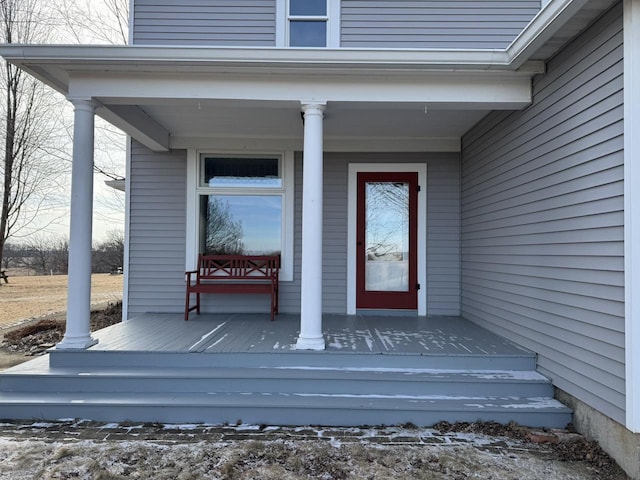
{"x":354,"y":169}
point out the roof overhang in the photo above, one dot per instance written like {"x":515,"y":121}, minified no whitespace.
{"x":130,"y":82}
{"x":122,"y":79}
{"x":55,"y":65}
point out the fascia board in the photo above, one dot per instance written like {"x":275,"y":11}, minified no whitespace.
{"x":548,"y":21}
{"x":150,"y":56}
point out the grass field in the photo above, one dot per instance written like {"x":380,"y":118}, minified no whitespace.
{"x":26,"y":297}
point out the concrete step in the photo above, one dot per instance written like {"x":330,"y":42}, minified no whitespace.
{"x":386,"y":381}
{"x":284,"y":409}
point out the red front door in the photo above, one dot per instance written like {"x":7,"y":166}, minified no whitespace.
{"x":387,"y":239}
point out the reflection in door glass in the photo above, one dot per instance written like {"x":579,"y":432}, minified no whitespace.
{"x":387,"y":237}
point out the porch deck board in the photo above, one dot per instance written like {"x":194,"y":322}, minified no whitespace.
{"x":254,"y":333}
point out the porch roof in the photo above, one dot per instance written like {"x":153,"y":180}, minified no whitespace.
{"x":139,"y":89}
{"x":179,"y":97}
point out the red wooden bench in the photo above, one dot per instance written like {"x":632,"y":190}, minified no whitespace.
{"x":233,"y":274}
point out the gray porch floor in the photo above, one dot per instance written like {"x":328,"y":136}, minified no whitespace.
{"x":254,"y":333}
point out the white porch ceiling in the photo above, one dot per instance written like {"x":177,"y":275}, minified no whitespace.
{"x":343,"y":120}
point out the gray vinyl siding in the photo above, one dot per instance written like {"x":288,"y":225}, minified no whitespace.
{"x":290,"y":291}
{"x":443,"y":234}
{"x":157,"y":231}
{"x":443,"y":227}
{"x":334,"y":232}
{"x":205,"y":22}
{"x":363,"y":23}
{"x":542,"y":220}
{"x":434,"y":24}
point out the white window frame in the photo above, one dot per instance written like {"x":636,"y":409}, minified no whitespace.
{"x":332,"y":18}
{"x":195,"y":190}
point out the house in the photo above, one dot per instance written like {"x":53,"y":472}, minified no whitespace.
{"x":434,"y":159}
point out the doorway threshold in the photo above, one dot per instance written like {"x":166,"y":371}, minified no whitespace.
{"x":387,"y":312}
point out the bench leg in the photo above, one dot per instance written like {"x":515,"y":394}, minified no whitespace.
{"x":187,"y":305}
{"x":274,"y":302}
{"x":277,"y":300}
{"x":273,"y":306}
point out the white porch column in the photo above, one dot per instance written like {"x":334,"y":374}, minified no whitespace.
{"x":311,"y":337}
{"x":77,"y":334}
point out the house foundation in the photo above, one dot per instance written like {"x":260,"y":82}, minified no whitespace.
{"x":620,"y":443}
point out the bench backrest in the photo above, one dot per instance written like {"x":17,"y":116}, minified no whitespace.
{"x":246,"y":267}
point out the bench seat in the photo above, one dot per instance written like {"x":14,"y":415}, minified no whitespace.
{"x":231,"y":274}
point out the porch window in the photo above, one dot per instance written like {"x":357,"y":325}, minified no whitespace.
{"x":241,"y":224}
{"x":244,"y":207}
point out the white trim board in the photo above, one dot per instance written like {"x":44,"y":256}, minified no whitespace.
{"x":127,"y":231}
{"x":354,"y":169}
{"x":632,"y":210}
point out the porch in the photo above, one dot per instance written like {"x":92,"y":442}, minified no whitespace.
{"x":254,"y":333}
{"x":226,"y":368}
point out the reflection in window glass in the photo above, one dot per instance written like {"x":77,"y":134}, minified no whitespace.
{"x":241,"y":172}
{"x":241,"y":224}
{"x":308,"y":7}
{"x":305,"y":33}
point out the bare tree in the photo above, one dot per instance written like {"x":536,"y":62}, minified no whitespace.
{"x":36,"y":162}
{"x":12,"y":256}
{"x":106,"y":22}
{"x":94,"y":21}
{"x":46,"y":254}
{"x":223,"y":233}
{"x":29,"y":171}
{"x":108,"y":255}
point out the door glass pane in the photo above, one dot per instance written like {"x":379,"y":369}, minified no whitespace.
{"x":387,"y":237}
{"x":241,"y":224}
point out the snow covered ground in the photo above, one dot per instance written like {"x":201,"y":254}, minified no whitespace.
{"x":87,"y":450}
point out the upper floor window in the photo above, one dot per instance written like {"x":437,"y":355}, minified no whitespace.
{"x":309,"y":23}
